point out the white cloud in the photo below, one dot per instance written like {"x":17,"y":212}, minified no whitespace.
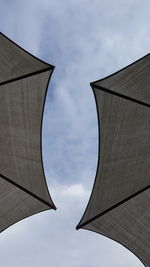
{"x":50,"y":238}
{"x":76,"y":190}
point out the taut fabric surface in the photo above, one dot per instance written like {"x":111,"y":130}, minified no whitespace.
{"x":23,"y":85}
{"x":119,"y":204}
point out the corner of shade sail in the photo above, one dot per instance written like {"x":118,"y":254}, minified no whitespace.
{"x":51,"y":67}
{"x":130,"y":82}
{"x":120,"y":70}
{"x":23,"y":63}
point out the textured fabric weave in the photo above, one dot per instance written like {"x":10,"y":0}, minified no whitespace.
{"x":119,"y":204}
{"x":23,"y":85}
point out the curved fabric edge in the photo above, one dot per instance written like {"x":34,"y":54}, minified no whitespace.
{"x":49,"y":68}
{"x":53,"y":206}
{"x":124,"y":68}
{"x":42,"y":61}
{"x":50,"y":204}
{"x":116,"y":242}
{"x":84,"y":224}
{"x":39,"y":204}
{"x":94,"y":84}
{"x":23,"y":218}
{"x":98,"y":164}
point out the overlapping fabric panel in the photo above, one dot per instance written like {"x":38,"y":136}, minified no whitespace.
{"x":22,"y":102}
{"x":123,"y":171}
{"x":16,"y":62}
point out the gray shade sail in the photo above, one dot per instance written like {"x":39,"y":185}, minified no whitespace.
{"x":24,"y":82}
{"x":119,"y":206}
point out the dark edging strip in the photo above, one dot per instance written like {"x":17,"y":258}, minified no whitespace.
{"x":27,"y":191}
{"x":120,"y":95}
{"x":26,"y":75}
{"x":113,"y":207}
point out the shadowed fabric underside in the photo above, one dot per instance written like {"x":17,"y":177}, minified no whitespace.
{"x":24,"y":81}
{"x":119,"y":204}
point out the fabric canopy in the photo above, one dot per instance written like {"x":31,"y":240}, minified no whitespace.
{"x":119,"y":206}
{"x":24,"y":81}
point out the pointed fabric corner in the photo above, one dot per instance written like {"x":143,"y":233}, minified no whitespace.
{"x":24,"y":82}
{"x":119,"y":206}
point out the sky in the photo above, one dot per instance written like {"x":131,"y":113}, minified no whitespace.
{"x":85,"y":40}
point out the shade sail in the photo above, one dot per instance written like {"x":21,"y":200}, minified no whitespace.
{"x":24,"y":81}
{"x":119,"y":206}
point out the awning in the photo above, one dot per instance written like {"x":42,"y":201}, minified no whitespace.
{"x":24,"y":82}
{"x":119,"y":206}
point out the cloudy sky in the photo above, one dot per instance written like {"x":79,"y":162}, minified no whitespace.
{"x":86,"y":40}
